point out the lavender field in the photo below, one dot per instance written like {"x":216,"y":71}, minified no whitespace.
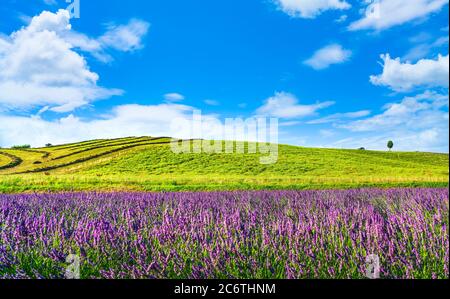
{"x":279,"y":234}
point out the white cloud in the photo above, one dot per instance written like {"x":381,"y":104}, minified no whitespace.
{"x":339,"y":117}
{"x":310,"y":8}
{"x":40,"y":67}
{"x":289,"y":123}
{"x":86,"y":44}
{"x":406,"y":76}
{"x":418,"y":123}
{"x":329,"y":55}
{"x":4,"y":44}
{"x":174,"y":97}
{"x":418,"y":112}
{"x":383,"y":14}
{"x":170,"y":120}
{"x":123,"y":121}
{"x":424,"y":48}
{"x":341,"y":19}
{"x":286,"y":105}
{"x":124,"y":38}
{"x":127,"y":37}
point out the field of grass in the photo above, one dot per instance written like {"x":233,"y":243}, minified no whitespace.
{"x":148,"y":164}
{"x":234,"y":234}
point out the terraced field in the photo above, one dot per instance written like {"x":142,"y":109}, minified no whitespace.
{"x":148,"y":164}
{"x":56,"y":157}
{"x":8,"y":160}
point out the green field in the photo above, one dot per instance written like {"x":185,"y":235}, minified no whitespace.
{"x":148,"y":164}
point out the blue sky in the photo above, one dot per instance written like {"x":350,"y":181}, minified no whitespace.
{"x":127,"y":68}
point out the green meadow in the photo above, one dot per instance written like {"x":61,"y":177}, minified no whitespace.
{"x":148,"y":164}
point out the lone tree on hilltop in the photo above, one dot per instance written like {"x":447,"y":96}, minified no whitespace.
{"x":390,"y":145}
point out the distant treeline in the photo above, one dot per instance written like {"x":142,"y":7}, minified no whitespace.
{"x":23,"y":146}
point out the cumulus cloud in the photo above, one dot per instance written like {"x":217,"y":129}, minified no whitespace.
{"x":40,"y":67}
{"x":329,"y":55}
{"x":384,"y":14}
{"x":310,"y":8}
{"x":406,"y":76}
{"x":286,"y":105}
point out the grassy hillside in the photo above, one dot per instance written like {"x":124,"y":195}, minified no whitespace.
{"x":148,"y":164}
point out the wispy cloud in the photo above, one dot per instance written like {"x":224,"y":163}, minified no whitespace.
{"x":337,"y":117}
{"x":125,"y":38}
{"x":416,"y":123}
{"x":424,"y":47}
{"x":211,"y":102}
{"x":174,"y":97}
{"x":423,"y":111}
{"x":310,"y":8}
{"x":286,"y":105}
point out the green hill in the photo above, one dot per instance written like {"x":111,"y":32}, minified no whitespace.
{"x":148,"y":164}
